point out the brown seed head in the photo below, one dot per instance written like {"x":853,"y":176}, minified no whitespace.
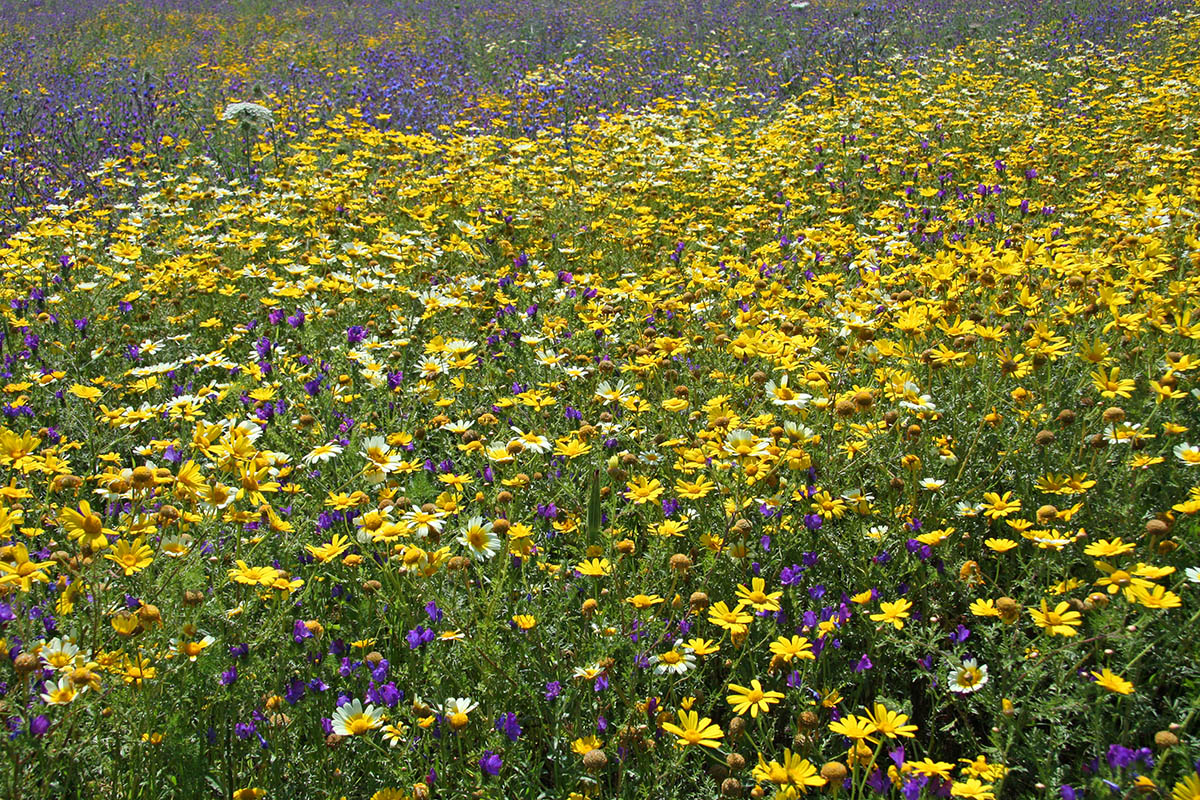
{"x":1009,"y":609}
{"x":1165,"y":739}
{"x":595,"y":760}
{"x":834,"y":771}
{"x":680,"y":563}
{"x":26,"y":663}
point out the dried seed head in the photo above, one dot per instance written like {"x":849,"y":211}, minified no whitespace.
{"x":835,"y":772}
{"x":1156,"y":527}
{"x":737,"y":727}
{"x":26,"y":663}
{"x":680,"y":563}
{"x":1165,"y":739}
{"x":595,"y":760}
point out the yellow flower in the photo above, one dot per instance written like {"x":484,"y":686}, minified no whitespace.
{"x":19,"y":570}
{"x":932,"y":769}
{"x":753,"y":698}
{"x":1107,"y":549}
{"x":694,"y":730}
{"x":788,"y":649}
{"x":596,"y":567}
{"x":586,"y":745}
{"x":131,"y":557}
{"x":998,"y":506}
{"x":695,"y":490}
{"x":891,"y":723}
{"x":327,"y":552}
{"x":1187,"y":789}
{"x":702,"y":647}
{"x":643,"y":601}
{"x":1059,"y":622}
{"x":85,"y":526}
{"x":263,"y":576}
{"x":1111,"y":385}
{"x":895,"y":613}
{"x":793,"y":771}
{"x":1157,"y":598}
{"x":640,"y":490}
{"x":985,"y":608}
{"x":973,"y":789}
{"x":1108,"y":679}
{"x":757,"y":597}
{"x":733,"y":620}
{"x":854,"y":727}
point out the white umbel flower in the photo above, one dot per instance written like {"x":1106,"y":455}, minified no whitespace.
{"x":251,"y":113}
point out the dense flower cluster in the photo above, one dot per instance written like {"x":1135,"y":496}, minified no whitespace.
{"x":701,"y":447}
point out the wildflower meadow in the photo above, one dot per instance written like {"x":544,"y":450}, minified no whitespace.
{"x":621,"y":399}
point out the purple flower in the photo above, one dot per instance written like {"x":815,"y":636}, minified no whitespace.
{"x":229,"y":676}
{"x":878,"y":781}
{"x":384,"y":694}
{"x":1120,"y":756}
{"x":791,"y":575}
{"x":553,"y":690}
{"x":39,"y":725}
{"x":863,"y":664}
{"x":912,"y":787}
{"x":300,"y":632}
{"x":509,"y":726}
{"x":418,"y":636}
{"x":294,"y":692}
{"x":490,"y":763}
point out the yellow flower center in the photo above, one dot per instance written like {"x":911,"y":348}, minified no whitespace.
{"x":358,"y":724}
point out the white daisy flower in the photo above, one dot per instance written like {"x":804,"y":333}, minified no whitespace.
{"x":968,"y":677}
{"x":354,"y":720}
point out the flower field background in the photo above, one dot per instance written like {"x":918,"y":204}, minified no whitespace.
{"x":610,"y":400}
